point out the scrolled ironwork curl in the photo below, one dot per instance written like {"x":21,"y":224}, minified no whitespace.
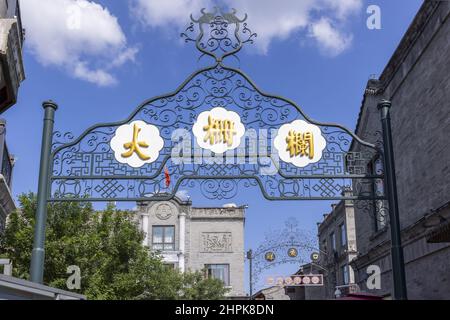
{"x":60,"y":139}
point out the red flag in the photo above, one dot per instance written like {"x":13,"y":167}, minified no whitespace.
{"x":166,"y":173}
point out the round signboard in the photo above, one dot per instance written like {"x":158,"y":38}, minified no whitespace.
{"x":293,"y":253}
{"x":270,"y":256}
{"x":315,"y":256}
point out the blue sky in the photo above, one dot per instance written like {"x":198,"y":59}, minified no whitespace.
{"x":320,"y":56}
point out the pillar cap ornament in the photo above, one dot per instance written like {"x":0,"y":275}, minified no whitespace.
{"x":51,"y":104}
{"x":384,"y":104}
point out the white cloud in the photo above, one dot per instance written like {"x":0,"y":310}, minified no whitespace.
{"x":160,"y":13}
{"x":343,"y":8}
{"x":81,"y":71}
{"x":320,"y":19}
{"x":332,"y":41}
{"x":183,"y":195}
{"x":80,"y":36}
{"x":275,"y":19}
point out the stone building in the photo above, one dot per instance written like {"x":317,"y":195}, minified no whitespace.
{"x":11,"y":41}
{"x":337,"y":249}
{"x":277,"y":293}
{"x":11,"y":75}
{"x":337,"y":243}
{"x":316,"y":292}
{"x":417,"y":81}
{"x":189,"y":238}
{"x":7,"y":204}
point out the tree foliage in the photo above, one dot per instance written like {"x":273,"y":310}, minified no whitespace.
{"x":107,"y":247}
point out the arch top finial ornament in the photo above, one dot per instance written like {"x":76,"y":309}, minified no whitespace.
{"x":219,"y":33}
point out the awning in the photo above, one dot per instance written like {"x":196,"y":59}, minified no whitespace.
{"x":440,"y":233}
{"x":361,"y":296}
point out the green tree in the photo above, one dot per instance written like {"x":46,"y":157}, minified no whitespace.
{"x":106,"y":246}
{"x":197,"y":287}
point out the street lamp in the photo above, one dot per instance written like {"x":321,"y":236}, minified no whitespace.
{"x":250,"y":260}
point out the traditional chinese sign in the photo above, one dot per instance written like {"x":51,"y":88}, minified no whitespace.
{"x":137,"y":144}
{"x":300,"y":143}
{"x":315,"y":256}
{"x":310,"y":280}
{"x":219,"y":130}
{"x":270,"y":256}
{"x":293,"y":252}
{"x":217,"y":133}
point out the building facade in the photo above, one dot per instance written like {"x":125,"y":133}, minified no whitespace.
{"x":337,"y":243}
{"x":11,"y":42}
{"x":7,"y":204}
{"x":196,"y":239}
{"x":277,"y":293}
{"x":11,"y":75}
{"x":417,"y":82}
{"x":315,"y":292}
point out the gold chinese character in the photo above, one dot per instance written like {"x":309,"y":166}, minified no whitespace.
{"x":293,"y":253}
{"x":135,"y":145}
{"x":270,"y":256}
{"x":300,"y":144}
{"x":219,"y":131}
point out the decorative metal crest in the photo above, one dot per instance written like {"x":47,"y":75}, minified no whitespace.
{"x":220,"y":34}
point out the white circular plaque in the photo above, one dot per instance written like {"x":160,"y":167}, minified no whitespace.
{"x":137,"y":143}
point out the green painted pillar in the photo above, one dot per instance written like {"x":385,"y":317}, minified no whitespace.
{"x":398,"y":262}
{"x":250,"y":260}
{"x":38,"y":254}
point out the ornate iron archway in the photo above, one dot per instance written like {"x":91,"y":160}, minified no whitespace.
{"x":243,"y":137}
{"x":289,"y":245}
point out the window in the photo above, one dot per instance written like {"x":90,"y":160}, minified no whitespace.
{"x":333,"y":241}
{"x":379,"y":206}
{"x":290,"y":290}
{"x":219,"y":271}
{"x":343,"y":233}
{"x":345,"y":275}
{"x":169,"y":266}
{"x":164,"y":238}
